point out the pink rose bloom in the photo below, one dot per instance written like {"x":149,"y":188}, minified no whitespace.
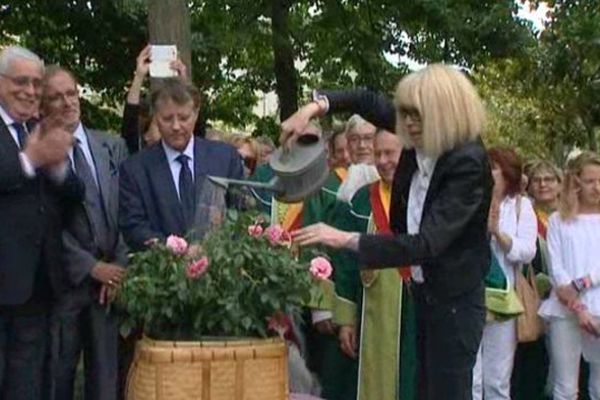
{"x":275,"y":234}
{"x":197,"y":268}
{"x":255,"y":230}
{"x":320,"y":268}
{"x":177,"y":245}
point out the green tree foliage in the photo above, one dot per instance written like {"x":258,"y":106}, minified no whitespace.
{"x":330,"y":43}
{"x":547,"y":100}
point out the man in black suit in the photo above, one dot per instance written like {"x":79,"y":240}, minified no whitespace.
{"x":164,"y":188}
{"x":94,"y":251}
{"x":36,"y":188}
{"x":439,"y":212}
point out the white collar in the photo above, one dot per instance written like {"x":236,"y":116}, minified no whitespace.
{"x":172,"y":154}
{"x":8,"y":120}
{"x":79,"y":134}
{"x":425,"y":163}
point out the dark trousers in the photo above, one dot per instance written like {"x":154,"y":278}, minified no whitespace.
{"x":449,"y":334}
{"x":93,"y":330}
{"x":23,"y":350}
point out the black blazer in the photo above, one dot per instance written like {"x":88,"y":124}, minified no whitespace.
{"x":32,"y":212}
{"x":453,"y":242}
{"x":148,"y":203}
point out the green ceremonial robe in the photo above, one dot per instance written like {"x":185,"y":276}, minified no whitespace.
{"x":336,"y":371}
{"x":387,"y":353}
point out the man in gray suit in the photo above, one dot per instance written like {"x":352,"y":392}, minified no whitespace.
{"x":95,"y":252}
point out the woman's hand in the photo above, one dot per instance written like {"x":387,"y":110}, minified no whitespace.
{"x":348,"y":343}
{"x":567,"y":295}
{"x":321,"y":233}
{"x":494,"y":218}
{"x":588,"y":324}
{"x":142,"y":65}
{"x":179,"y":67}
{"x":296,"y":124}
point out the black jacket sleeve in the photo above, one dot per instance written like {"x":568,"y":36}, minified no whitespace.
{"x":374,"y":107}
{"x":130,"y":130}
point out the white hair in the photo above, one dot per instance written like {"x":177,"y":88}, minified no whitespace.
{"x":12,"y":53}
{"x":355,"y":122}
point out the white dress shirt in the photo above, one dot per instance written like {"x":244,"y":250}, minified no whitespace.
{"x":419,"y":185}
{"x":26,"y":165}
{"x":522,"y":231}
{"x":175,"y":165}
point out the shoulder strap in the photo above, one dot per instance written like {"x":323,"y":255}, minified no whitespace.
{"x":518,"y":208}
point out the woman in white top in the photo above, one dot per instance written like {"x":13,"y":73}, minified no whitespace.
{"x":573,"y":309}
{"x":513,"y":227}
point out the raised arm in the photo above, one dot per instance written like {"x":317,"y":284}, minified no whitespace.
{"x":374,"y":107}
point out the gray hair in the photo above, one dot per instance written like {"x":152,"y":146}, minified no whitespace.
{"x":12,"y":53}
{"x":354,"y":123}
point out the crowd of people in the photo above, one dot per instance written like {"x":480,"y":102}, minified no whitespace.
{"x":416,"y":215}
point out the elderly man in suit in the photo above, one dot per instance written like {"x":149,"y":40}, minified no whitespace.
{"x":164,"y":188}
{"x":36,"y":190}
{"x":95,"y":252}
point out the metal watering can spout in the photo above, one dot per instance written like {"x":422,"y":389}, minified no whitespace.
{"x":299,"y":171}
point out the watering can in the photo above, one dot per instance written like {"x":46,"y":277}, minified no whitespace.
{"x":299,"y":171}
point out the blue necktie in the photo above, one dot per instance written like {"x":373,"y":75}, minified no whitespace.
{"x":21,"y":134}
{"x":186,"y":189}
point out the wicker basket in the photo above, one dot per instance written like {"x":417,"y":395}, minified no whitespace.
{"x":253,"y":369}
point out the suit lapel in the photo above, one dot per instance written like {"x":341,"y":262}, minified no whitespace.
{"x":100,"y":152}
{"x":165,"y":187}
{"x":6,"y":139}
{"x":400,"y":190}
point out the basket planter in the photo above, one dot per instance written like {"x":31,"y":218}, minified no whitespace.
{"x":253,"y":369}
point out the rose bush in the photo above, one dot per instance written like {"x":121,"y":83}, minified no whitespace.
{"x":231,"y":284}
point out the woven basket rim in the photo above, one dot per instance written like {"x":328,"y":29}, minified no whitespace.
{"x":226,"y":342}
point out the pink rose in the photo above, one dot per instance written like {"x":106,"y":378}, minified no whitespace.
{"x":177,"y":245}
{"x":277,"y":235}
{"x":320,"y":268}
{"x":255,"y":230}
{"x":197,"y":268}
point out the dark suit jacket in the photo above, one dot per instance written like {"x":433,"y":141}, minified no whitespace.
{"x":32,"y":212}
{"x":453,"y":243}
{"x":149,"y":206}
{"x":82,"y":252}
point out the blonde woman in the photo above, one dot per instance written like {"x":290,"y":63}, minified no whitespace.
{"x":573,"y":309}
{"x":438,"y":216}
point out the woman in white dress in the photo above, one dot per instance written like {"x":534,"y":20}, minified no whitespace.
{"x":573,"y":309}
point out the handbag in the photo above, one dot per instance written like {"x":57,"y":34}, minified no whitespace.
{"x":501,"y":299}
{"x":529,"y":325}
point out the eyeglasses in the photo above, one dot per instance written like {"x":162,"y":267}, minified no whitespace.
{"x":411,"y":112}
{"x":24,"y":81}
{"x":360,"y":139}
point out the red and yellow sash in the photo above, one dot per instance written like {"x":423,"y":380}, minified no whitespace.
{"x":380,"y":197}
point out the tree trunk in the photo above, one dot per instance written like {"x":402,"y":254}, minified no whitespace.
{"x":169,"y":23}
{"x":286,"y":80}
